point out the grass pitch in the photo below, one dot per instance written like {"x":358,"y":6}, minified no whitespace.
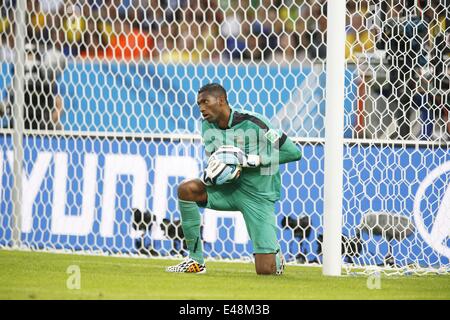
{"x":33,"y":275}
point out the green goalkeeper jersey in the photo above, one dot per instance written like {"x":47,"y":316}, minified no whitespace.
{"x":253,"y":134}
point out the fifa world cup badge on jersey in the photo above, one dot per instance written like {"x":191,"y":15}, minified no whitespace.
{"x":272,"y":135}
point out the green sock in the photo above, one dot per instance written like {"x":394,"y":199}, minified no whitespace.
{"x":190,"y":222}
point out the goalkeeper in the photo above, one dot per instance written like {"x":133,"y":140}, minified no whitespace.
{"x":236,"y":140}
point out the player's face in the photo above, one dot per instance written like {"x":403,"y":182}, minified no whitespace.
{"x":210,"y":106}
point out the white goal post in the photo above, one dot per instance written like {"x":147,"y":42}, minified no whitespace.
{"x":334,"y":137}
{"x":99,"y":125}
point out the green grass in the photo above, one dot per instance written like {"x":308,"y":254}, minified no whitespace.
{"x":34,"y":275}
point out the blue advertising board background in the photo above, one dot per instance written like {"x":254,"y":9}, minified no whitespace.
{"x":371,"y":184}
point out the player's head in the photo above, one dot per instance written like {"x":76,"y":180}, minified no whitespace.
{"x":212,"y":101}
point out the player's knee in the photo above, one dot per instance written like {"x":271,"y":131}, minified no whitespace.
{"x":265,"y":265}
{"x":190,"y":190}
{"x":185,"y":191}
{"x":265,"y":270}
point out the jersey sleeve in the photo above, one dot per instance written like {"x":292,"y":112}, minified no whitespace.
{"x":289,"y":152}
{"x":276,"y":145}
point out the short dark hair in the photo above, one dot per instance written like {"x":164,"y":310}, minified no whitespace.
{"x":215,"y":89}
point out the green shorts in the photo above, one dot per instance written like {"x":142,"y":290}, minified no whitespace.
{"x":259,"y":215}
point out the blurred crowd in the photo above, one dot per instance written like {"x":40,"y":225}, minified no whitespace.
{"x":413,"y":39}
{"x":186,"y":30}
{"x":194,"y":30}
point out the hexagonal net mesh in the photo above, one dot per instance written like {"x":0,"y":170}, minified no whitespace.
{"x":111,"y":125}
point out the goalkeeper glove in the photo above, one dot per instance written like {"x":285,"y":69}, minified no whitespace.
{"x":218,"y":173}
{"x":234,"y":155}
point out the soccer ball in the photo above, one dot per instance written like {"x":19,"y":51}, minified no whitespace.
{"x":235,"y":172}
{"x":219,"y":173}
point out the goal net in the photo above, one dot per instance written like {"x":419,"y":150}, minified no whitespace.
{"x":99,"y":125}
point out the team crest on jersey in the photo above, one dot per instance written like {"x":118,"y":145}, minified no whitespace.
{"x":272,"y":135}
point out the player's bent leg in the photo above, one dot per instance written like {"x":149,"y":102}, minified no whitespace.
{"x":261,"y":225}
{"x":191,"y":192}
{"x":269,"y":263}
{"x":191,"y":195}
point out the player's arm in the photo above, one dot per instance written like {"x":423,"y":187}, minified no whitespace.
{"x":279,"y":147}
{"x":276,"y":148}
{"x":216,"y":172}
{"x":280,"y":150}
{"x":288,"y":151}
